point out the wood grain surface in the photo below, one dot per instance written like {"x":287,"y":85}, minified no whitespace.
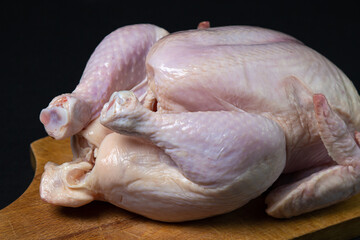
{"x":30,"y":218}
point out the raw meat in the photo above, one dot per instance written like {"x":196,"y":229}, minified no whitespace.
{"x":118,"y":63}
{"x":222,"y":115}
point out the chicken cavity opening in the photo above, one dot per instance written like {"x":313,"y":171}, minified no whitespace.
{"x":85,"y":147}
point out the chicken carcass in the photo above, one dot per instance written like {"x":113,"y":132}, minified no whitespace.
{"x":214,"y":117}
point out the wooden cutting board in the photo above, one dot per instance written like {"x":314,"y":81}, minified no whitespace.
{"x":30,"y":218}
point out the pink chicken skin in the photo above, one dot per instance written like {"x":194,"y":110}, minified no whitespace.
{"x":197,"y":123}
{"x":118,"y":63}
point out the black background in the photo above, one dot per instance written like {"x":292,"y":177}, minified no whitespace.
{"x":45,"y":46}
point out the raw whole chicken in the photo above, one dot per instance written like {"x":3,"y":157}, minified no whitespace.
{"x":193,"y":124}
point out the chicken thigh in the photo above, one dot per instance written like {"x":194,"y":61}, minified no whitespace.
{"x":221,"y":114}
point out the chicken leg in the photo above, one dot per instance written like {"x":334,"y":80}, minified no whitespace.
{"x":210,"y":158}
{"x":118,"y":63}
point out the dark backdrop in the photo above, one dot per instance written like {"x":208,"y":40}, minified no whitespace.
{"x":45,"y":46}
